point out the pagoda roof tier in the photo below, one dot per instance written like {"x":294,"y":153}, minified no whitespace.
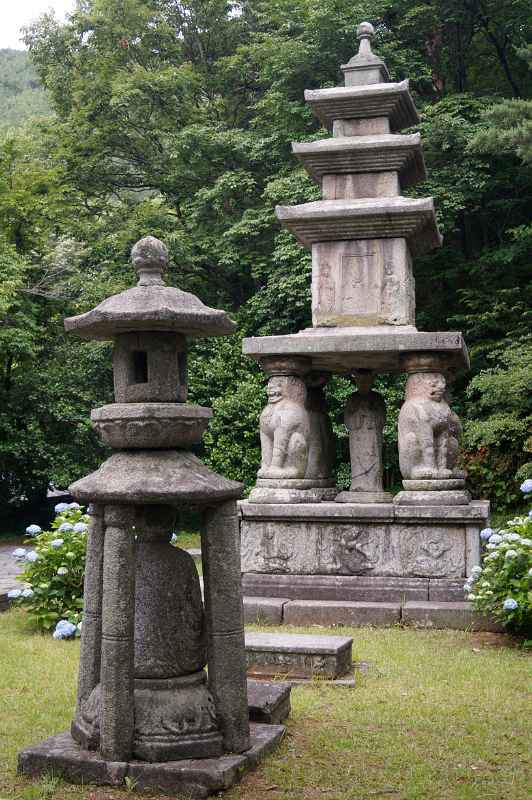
{"x":392,"y":100}
{"x":342,"y":350}
{"x":166,"y":477}
{"x":354,"y":154}
{"x":366,"y":218}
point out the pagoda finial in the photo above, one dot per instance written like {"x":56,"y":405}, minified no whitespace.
{"x":149,"y":257}
{"x":365,"y":33}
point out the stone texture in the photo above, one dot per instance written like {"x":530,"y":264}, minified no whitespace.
{"x":150,"y":425}
{"x":325,"y":547}
{"x":330,"y":613}
{"x":339,"y":588}
{"x":428,"y":431}
{"x":365,"y":218}
{"x":391,"y":100}
{"x":220,"y":548}
{"x":342,"y":350}
{"x":159,"y":477}
{"x":456,"y":615}
{"x":197,"y":778}
{"x":269,"y":703}
{"x":362,"y":282}
{"x":298,"y":655}
{"x":365,"y":67}
{"x":365,"y":417}
{"x":263,"y":610}
{"x":285,"y":429}
{"x":364,"y":154}
{"x":435,"y":498}
{"x":150,"y":367}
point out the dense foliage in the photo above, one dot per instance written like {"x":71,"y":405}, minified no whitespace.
{"x":502,"y":586}
{"x":175,"y":118}
{"x":53,"y":570}
{"x":22,"y":96}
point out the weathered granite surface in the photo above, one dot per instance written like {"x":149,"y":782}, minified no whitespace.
{"x":126,"y":426}
{"x":269,"y":703}
{"x":298,"y":655}
{"x":364,"y":154}
{"x":195,"y":778}
{"x":342,"y":350}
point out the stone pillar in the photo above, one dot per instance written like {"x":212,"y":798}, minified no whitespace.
{"x":220,"y":548}
{"x":428,"y":436}
{"x":365,"y":416}
{"x":291,"y":433}
{"x":91,"y":631}
{"x":118,"y":622}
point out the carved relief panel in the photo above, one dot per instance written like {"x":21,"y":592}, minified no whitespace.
{"x":362,"y":282}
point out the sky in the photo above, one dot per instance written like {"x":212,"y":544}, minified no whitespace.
{"x":14,"y":14}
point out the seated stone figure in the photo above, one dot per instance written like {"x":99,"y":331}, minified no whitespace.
{"x":285,"y":429}
{"x":429,"y":431}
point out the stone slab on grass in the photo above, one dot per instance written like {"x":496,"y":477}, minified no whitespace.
{"x":264,"y":610}
{"x":298,"y":655}
{"x":337,"y":588}
{"x":454,"y":615}
{"x":328,"y":613}
{"x":269,"y":702}
{"x":197,"y":778}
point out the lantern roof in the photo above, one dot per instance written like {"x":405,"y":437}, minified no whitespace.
{"x":150,"y":305}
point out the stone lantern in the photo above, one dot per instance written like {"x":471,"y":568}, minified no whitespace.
{"x":144,"y":697}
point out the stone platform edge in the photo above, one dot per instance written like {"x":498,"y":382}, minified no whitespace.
{"x":197,"y":778}
{"x":475,"y":511}
{"x":419,"y":613}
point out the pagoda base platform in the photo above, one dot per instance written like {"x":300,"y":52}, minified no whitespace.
{"x":358,"y":541}
{"x":196,"y":778}
{"x":343,"y":349}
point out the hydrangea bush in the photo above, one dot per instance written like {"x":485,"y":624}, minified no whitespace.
{"x":502,"y":586}
{"x":53,"y":566}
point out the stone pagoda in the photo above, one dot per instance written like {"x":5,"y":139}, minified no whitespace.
{"x":146,"y":708}
{"x":301,"y":539}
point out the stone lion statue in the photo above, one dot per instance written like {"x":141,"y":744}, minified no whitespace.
{"x":285,"y":429}
{"x":429,"y":431}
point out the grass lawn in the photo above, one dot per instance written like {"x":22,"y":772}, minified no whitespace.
{"x":443,"y":715}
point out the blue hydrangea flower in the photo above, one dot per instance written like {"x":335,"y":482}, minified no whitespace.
{"x":27,"y":593}
{"x":74,"y":506}
{"x":513,"y":537}
{"x":526,"y":486}
{"x":511,"y":553}
{"x":80,"y":527}
{"x":495,"y":538}
{"x":64,"y":629}
{"x":65,"y":527}
{"x":61,"y":507}
{"x":527,"y":542}
{"x":62,"y":571}
{"x":33,"y":530}
{"x":32,"y":556}
{"x":486,"y":533}
{"x":14,"y":594}
{"x":510,"y":604}
{"x":57,"y":543}
{"x":20,"y":552}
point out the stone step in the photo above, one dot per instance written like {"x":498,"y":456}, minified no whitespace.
{"x":298,"y":656}
{"x":457,"y":615}
{"x":356,"y":588}
{"x":268,"y":702}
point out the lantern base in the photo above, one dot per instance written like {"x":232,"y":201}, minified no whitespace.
{"x":197,"y":778}
{"x":175,"y":719}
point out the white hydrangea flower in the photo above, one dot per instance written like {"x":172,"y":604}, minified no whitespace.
{"x":511,"y":553}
